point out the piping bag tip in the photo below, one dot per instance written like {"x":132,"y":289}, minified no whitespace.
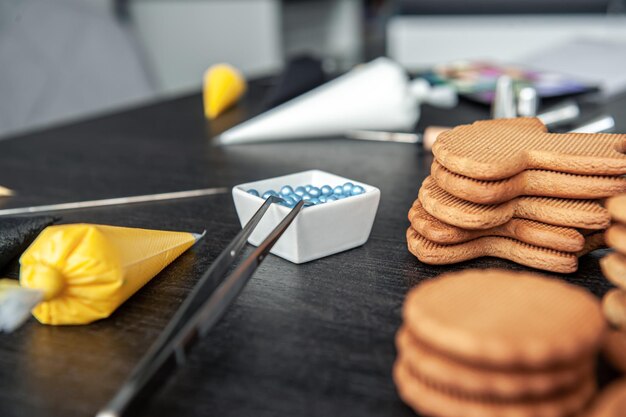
{"x":16,"y":303}
{"x":85,"y":271}
{"x":223,"y":86}
{"x":199,"y":236}
{"x":6,"y":192}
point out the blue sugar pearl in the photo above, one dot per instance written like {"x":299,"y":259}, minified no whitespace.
{"x":269,"y":193}
{"x":357,"y":189}
{"x":253,"y":192}
{"x":315,"y":200}
{"x":300,"y":191}
{"x":286,"y":190}
{"x":331,"y":198}
{"x":308,"y":187}
{"x":306,"y":198}
{"x":347,"y":188}
{"x":289,"y":202}
{"x":338,"y":190}
{"x":315,"y":192}
{"x":296,"y":197}
{"x":327,"y":190}
{"x":322,"y":198}
{"x":342,"y":196}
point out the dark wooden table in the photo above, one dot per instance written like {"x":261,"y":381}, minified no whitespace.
{"x":302,"y":340}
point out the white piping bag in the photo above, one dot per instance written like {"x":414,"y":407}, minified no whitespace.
{"x":374,"y":96}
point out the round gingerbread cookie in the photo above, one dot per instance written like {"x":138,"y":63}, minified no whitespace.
{"x":614,"y":268}
{"x":615,"y":237}
{"x":429,"y":400}
{"x":614,"y":307}
{"x":442,"y":371}
{"x":611,"y":402}
{"x":505,"y":319}
{"x":614,"y":349}
{"x":617,"y":207}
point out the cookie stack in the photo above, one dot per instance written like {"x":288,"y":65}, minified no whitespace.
{"x":614,"y":269}
{"x":483,"y":343}
{"x":509,"y":189}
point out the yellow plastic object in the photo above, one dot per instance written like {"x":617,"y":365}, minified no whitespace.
{"x":5,"y":192}
{"x":86,"y":271}
{"x":223,"y":86}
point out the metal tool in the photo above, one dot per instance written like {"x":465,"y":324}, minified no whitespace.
{"x":198,"y":314}
{"x":177,"y":195}
{"x":383,"y":136}
{"x":600,"y":124}
{"x":563,"y":113}
{"x":503,"y":106}
{"x":527,"y":102}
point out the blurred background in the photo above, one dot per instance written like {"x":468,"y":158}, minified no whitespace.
{"x":64,"y":60}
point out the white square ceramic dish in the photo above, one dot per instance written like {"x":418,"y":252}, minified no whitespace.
{"x":319,"y":230}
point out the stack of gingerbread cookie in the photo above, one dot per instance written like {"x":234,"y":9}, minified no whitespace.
{"x":508,"y":188}
{"x":486,"y":343}
{"x":614,"y":269}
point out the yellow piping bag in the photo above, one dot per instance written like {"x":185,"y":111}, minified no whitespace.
{"x":223,"y":86}
{"x":83,"y":272}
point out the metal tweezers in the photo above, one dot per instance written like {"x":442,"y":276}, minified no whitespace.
{"x":200,"y":311}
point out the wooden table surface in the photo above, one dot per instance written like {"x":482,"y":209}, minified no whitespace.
{"x":302,"y":340}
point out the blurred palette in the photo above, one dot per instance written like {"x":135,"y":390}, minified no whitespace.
{"x":476,"y":80}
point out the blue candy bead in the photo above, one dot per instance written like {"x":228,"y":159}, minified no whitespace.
{"x":331,"y":198}
{"x":286,"y":190}
{"x":347,"y":188}
{"x":270,"y":193}
{"x":306,"y":198}
{"x":289,"y":202}
{"x":315,"y":192}
{"x":300,"y":191}
{"x":322,"y":198}
{"x":253,"y":192}
{"x":315,"y":200}
{"x":307,"y":187}
{"x":338,"y":190}
{"x":357,"y":189}
{"x":327,"y":190}
{"x":296,"y":197}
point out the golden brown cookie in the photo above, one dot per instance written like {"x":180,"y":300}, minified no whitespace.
{"x":532,"y":182}
{"x":585,"y":214}
{"x":616,"y":237}
{"x":498,"y":149}
{"x":614,"y":349}
{"x":617,"y":208}
{"x":430,"y":365}
{"x":614,"y":307}
{"x":435,"y":402}
{"x":614,"y":268}
{"x":611,"y":402}
{"x":593,"y":241}
{"x":559,"y":238}
{"x":505,"y":319}
{"x":500,"y":247}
